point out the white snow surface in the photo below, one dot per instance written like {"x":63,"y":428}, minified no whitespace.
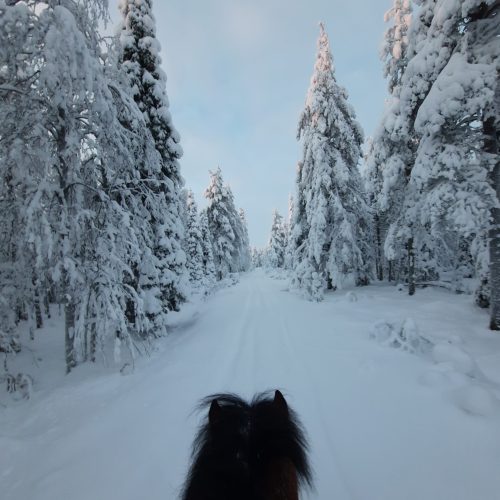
{"x":383,"y":424}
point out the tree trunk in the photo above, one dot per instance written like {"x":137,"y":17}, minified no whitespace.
{"x":69,"y":325}
{"x":46,"y":304}
{"x":69,"y":333}
{"x":93,"y":342}
{"x":483,"y":31}
{"x":379,"y":254}
{"x":491,"y":146}
{"x":38,"y":307}
{"x":411,"y":267}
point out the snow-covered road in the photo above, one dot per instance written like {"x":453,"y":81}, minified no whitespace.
{"x":380,"y":427}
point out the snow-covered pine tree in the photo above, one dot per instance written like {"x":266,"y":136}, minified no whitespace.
{"x":337,"y":215}
{"x":277,"y":242}
{"x":207,"y":252}
{"x":141,"y":61}
{"x":194,"y":250}
{"x":219,"y":224}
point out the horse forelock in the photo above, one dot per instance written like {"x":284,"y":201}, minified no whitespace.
{"x":246,"y":440}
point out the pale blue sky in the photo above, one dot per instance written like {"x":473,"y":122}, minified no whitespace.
{"x":238,"y":72}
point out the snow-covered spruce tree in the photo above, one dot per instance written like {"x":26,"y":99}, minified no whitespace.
{"x":141,"y":61}
{"x":277,"y":242}
{"x":207,"y":253}
{"x":194,"y":250}
{"x":387,"y":152}
{"x":457,"y":123}
{"x":288,"y":227}
{"x":481,"y":47}
{"x":394,"y":49}
{"x":219,"y":224}
{"x":371,"y":175}
{"x":228,"y":229}
{"x":239,"y":258}
{"x":397,"y":142}
{"x":246,"y":259}
{"x":298,"y":229}
{"x":337,"y":215}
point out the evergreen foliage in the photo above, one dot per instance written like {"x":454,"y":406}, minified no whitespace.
{"x":141,"y":62}
{"x":227,"y":228}
{"x":277,"y":242}
{"x":194,"y":248}
{"x":331,"y":233}
{"x":207,"y":253}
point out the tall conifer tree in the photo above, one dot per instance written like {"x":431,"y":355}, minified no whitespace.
{"x":337,"y":220}
{"x":141,"y":61}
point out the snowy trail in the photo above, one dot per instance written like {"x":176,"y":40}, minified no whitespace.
{"x":376,"y":432}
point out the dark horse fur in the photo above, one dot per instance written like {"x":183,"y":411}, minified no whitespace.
{"x":248,"y":451}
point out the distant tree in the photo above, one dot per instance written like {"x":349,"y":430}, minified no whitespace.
{"x":277,"y":242}
{"x":298,"y":230}
{"x":228,"y":228}
{"x":194,"y":247}
{"x":246,"y":259}
{"x":208,"y":266}
{"x":219,"y":216}
{"x":288,"y":231}
{"x":257,"y":257}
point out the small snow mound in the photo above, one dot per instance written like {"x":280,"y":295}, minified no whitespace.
{"x":400,"y":287}
{"x":453,"y":355}
{"x":443,"y":375}
{"x":475,"y":400}
{"x":127,"y":369}
{"x":403,"y":336}
{"x":351,"y":297}
{"x":433,"y":378}
{"x":381,"y":331}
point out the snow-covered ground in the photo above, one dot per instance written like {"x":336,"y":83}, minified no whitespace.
{"x":383,"y":423}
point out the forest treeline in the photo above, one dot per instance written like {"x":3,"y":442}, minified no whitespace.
{"x":95,"y":215}
{"x":424,"y":206}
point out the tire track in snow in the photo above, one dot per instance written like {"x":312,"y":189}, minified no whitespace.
{"x":235,"y":368}
{"x":309,"y":389}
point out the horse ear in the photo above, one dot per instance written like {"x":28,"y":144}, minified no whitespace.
{"x":215,"y":412}
{"x":280,"y":403}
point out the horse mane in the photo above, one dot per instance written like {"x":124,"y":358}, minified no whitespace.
{"x":240,"y":442}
